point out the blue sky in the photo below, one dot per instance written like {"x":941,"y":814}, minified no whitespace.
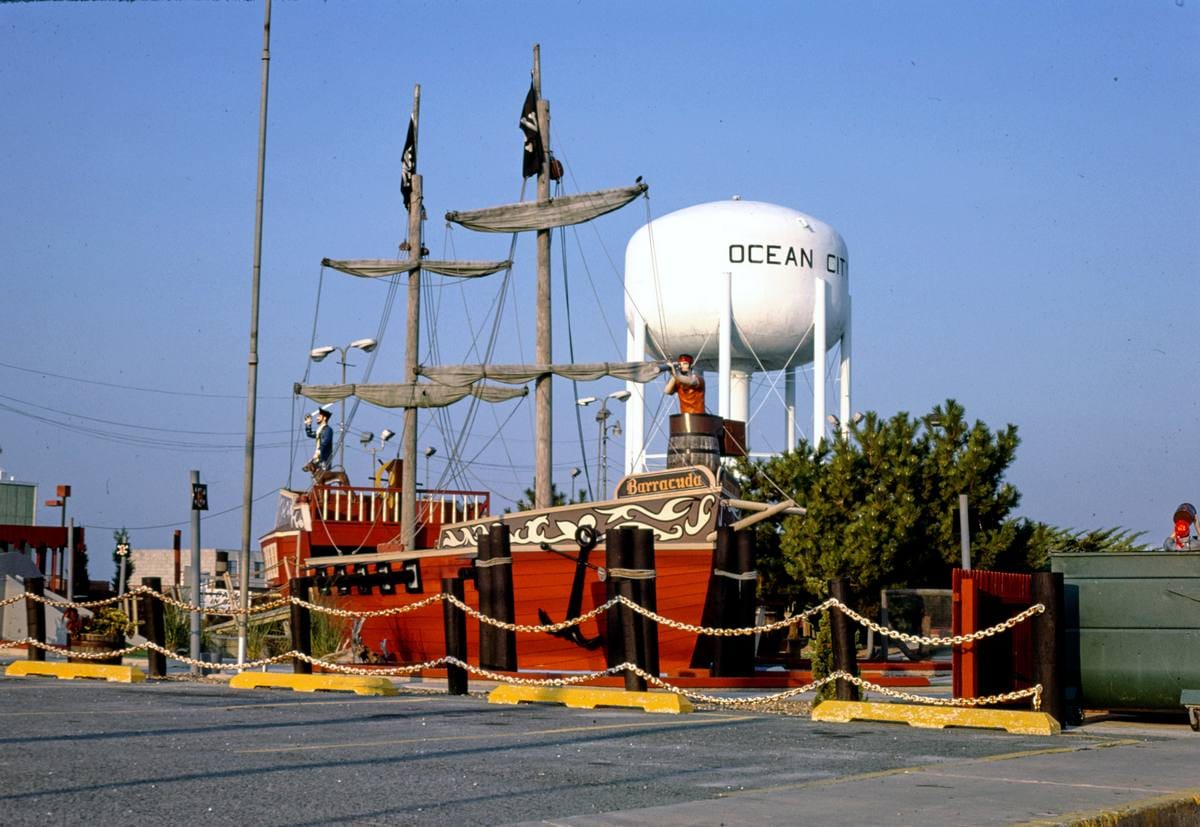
{"x":1018,"y":186}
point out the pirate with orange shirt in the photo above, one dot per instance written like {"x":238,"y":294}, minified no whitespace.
{"x":685,"y":384}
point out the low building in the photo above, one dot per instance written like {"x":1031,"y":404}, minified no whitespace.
{"x":174,"y":567}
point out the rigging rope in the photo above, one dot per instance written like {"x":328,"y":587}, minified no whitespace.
{"x":587,"y":477}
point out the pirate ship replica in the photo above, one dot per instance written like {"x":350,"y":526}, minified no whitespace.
{"x":386,"y":546}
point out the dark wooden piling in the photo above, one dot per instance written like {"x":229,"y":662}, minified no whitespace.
{"x":845,"y":651}
{"x":483,"y":585}
{"x":1048,"y":634}
{"x":497,"y":647}
{"x":301,"y":624}
{"x":455,"y":622}
{"x":624,"y":630}
{"x":614,"y":640}
{"x":733,"y":656}
{"x":505,"y":609}
{"x":723,"y":595}
{"x":35,"y":617}
{"x":153,"y":627}
{"x":646,"y":595}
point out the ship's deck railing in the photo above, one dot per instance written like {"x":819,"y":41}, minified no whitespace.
{"x":338,"y":503}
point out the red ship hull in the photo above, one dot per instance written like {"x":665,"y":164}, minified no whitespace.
{"x":332,"y":537}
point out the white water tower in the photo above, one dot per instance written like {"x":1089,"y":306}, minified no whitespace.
{"x":745,"y":287}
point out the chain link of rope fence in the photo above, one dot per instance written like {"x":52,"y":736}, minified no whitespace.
{"x":1034,"y":692}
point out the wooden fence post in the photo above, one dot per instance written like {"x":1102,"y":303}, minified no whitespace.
{"x":1048,"y":635}
{"x":455,"y":622}
{"x":844,"y":650}
{"x":153,"y":627}
{"x":35,"y":617}
{"x":301,"y":624}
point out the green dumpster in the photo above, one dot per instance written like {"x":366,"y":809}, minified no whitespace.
{"x":1132,"y":628}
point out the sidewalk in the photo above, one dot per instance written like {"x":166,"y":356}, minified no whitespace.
{"x":1136,"y":774}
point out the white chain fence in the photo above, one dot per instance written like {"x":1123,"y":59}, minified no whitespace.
{"x":1034,"y":692}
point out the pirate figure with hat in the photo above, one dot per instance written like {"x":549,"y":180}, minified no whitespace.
{"x":323,"y":435}
{"x":687,"y":385}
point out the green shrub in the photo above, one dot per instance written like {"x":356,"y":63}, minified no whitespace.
{"x":822,"y":659}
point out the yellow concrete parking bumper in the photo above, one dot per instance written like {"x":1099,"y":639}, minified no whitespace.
{"x":938,"y":717}
{"x":71,"y":671}
{"x":358,"y":684}
{"x":590,"y":697}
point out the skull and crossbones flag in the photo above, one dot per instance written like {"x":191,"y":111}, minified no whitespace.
{"x":534,"y":152}
{"x":408,"y":164}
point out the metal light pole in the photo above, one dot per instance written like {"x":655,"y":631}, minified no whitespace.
{"x":252,"y":359}
{"x":194,"y":579}
{"x":317,"y":354}
{"x":64,"y":492}
{"x":123,"y":553}
{"x":384,"y":436}
{"x":602,"y":416}
{"x":429,"y":452}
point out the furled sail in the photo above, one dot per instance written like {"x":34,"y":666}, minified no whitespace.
{"x":464,"y":375}
{"x":406,"y":396}
{"x":373,"y":268}
{"x":542,"y":215}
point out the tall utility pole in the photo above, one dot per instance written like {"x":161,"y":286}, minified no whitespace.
{"x":543,"y":426}
{"x":252,"y":361}
{"x":70,"y":563}
{"x":194,"y":577}
{"x":408,"y":494}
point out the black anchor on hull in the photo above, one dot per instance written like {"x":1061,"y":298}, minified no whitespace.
{"x":586,"y":537}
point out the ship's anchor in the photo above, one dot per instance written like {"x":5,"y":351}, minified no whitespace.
{"x":586,"y":537}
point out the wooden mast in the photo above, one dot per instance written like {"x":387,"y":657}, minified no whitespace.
{"x":408,"y":491}
{"x":543,"y":426}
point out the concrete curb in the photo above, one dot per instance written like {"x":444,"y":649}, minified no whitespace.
{"x":1175,"y":810}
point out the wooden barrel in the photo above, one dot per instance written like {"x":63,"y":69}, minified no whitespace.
{"x":695,"y":439}
{"x":91,"y":643}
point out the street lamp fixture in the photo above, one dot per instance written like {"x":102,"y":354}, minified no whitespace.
{"x":318,"y":354}
{"x":430,"y":451}
{"x":836,"y":423}
{"x":366,"y":438}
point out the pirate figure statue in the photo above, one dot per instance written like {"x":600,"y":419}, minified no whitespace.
{"x":323,"y":435}
{"x":687,"y":385}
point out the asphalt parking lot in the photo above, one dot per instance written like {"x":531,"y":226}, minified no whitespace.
{"x":85,"y":751}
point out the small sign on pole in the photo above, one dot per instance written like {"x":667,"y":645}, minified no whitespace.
{"x":199,"y":496}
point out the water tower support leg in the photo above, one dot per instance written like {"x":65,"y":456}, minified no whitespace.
{"x":789,"y":397}
{"x":635,"y":409}
{"x":844,"y":373}
{"x":819,"y":351}
{"x":725,"y":345}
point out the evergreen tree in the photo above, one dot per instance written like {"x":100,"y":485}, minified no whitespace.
{"x":883,"y":508}
{"x":556,"y":498}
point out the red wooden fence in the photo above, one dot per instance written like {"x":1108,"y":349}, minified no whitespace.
{"x":1003,"y":662}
